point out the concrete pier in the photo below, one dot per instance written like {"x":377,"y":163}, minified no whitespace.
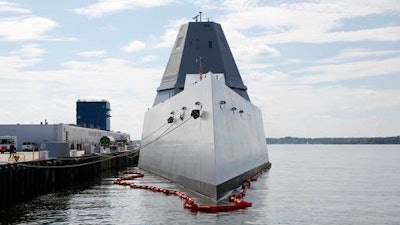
{"x":22,"y":181}
{"x":22,"y":157}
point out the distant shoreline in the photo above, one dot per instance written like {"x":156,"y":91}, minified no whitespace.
{"x":351,"y":140}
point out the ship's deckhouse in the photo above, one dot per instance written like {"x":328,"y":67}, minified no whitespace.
{"x":200,"y":47}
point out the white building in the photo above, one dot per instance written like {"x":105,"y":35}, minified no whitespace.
{"x":59,"y":133}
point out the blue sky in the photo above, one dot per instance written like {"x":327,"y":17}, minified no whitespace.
{"x":315,"y":68}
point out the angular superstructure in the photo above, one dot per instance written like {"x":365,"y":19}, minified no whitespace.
{"x":199,"y":47}
{"x":203,"y":132}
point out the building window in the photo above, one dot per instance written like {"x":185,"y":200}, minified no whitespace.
{"x":209,"y":44}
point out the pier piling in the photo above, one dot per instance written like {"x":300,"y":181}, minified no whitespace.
{"x":20,"y":182}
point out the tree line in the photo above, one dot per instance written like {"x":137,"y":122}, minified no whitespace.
{"x":349,"y":140}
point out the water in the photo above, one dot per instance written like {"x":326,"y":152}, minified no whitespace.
{"x":307,"y":184}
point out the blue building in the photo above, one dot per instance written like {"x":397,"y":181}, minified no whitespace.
{"x":93,"y":114}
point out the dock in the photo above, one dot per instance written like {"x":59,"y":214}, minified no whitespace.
{"x":22,"y":181}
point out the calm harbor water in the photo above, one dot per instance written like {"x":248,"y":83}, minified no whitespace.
{"x":307,"y":184}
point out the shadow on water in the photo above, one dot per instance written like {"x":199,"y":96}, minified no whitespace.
{"x":28,"y":211}
{"x":101,"y":202}
{"x":46,"y":207}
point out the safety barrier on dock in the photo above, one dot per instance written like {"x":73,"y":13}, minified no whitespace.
{"x":23,"y":181}
{"x":189,"y":203}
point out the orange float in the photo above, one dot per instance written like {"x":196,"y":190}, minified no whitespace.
{"x":189,"y":203}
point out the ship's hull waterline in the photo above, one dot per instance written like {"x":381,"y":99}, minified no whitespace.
{"x":212,"y":153}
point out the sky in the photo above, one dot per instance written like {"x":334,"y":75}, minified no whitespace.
{"x":315,"y":68}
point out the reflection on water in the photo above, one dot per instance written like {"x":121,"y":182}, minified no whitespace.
{"x":308,"y":184}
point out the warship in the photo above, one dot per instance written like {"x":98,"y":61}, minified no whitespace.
{"x":202,"y":131}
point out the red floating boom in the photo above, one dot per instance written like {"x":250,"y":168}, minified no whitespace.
{"x":189,"y":203}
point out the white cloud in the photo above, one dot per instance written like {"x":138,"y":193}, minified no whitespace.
{"x":256,"y":66}
{"x":167,"y":40}
{"x":27,"y":55}
{"x":91,"y":54}
{"x":247,"y":50}
{"x":129,"y":89}
{"x":207,"y":4}
{"x":349,"y":70}
{"x":25,"y":28}
{"x":253,"y":33}
{"x":258,"y":81}
{"x":226,"y":5}
{"x":103,"y":7}
{"x":9,"y":64}
{"x":149,"y":58}
{"x":240,"y":4}
{"x":302,"y":110}
{"x":312,"y":22}
{"x":108,"y":65}
{"x":352,"y":54}
{"x":134,"y":46}
{"x":313,"y":36}
{"x":11,"y":7}
{"x":30,"y":51}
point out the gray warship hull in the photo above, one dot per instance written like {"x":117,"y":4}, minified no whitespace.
{"x":202,"y":131}
{"x":213,"y":153}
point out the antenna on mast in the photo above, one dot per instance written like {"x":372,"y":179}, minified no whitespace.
{"x":197,"y":18}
